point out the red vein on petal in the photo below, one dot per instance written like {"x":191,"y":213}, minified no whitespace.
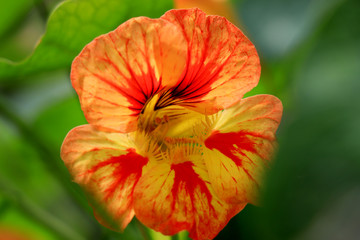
{"x":186,"y":176}
{"x":124,"y":166}
{"x":224,"y":142}
{"x":131,"y":98}
{"x":133,"y":75}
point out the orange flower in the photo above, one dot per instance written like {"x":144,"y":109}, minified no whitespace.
{"x":185,"y":57}
{"x":170,"y":139}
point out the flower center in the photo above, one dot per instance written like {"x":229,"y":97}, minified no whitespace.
{"x":159,"y":110}
{"x":150,"y":117}
{"x":165,"y":126}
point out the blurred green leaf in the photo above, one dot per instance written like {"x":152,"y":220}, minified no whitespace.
{"x":14,"y":151}
{"x":15,"y":220}
{"x":56,"y":121}
{"x":11,"y":12}
{"x":73,"y":24}
{"x":284,"y":33}
{"x":46,"y":90}
{"x":319,"y":159}
{"x":21,"y":166}
{"x":20,"y":41}
{"x":277,"y":27}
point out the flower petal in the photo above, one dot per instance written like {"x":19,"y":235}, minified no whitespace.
{"x":223,"y":64}
{"x":173,"y":197}
{"x":116,"y":73}
{"x":241,"y":145}
{"x":107,"y":166}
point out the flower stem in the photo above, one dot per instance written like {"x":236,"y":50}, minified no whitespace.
{"x":142,"y":229}
{"x":175,"y":237}
{"x":183,"y":235}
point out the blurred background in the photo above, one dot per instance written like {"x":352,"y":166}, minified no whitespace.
{"x":310,"y":56}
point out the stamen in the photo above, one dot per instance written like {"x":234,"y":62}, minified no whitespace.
{"x":184,"y":150}
{"x":161,"y":109}
{"x":158,"y":120}
{"x":204,"y":127}
{"x":156,"y":129}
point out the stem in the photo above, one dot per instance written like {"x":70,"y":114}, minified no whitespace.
{"x":142,"y":229}
{"x":175,"y":237}
{"x":183,"y":235}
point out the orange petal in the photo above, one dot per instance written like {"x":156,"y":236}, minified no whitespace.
{"x":173,"y":197}
{"x":117,"y":73}
{"x":223,"y":64}
{"x":241,"y":145}
{"x":107,"y":166}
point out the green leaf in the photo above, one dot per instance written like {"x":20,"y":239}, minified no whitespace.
{"x":21,"y":225}
{"x":318,"y":166}
{"x":56,"y":121}
{"x":12,"y":12}
{"x":70,"y":27}
{"x":277,"y":27}
{"x":22,"y":171}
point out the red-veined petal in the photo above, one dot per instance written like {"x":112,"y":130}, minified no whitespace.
{"x":222,"y":66}
{"x":172,"y":197}
{"x":241,"y":144}
{"x":107,"y":166}
{"x":118,"y":72}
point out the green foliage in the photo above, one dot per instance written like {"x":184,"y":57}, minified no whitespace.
{"x":319,"y":155}
{"x":15,"y":219}
{"x":72,"y":25}
{"x":53,"y":126}
{"x":315,"y":180}
{"x":11,"y":12}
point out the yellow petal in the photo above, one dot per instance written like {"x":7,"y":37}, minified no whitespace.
{"x":240,"y":146}
{"x":175,"y":196}
{"x":108,"y":167}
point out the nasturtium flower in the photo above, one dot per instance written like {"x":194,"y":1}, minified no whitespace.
{"x":170,"y":139}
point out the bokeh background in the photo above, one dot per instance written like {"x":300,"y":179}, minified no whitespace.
{"x":310,"y":56}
